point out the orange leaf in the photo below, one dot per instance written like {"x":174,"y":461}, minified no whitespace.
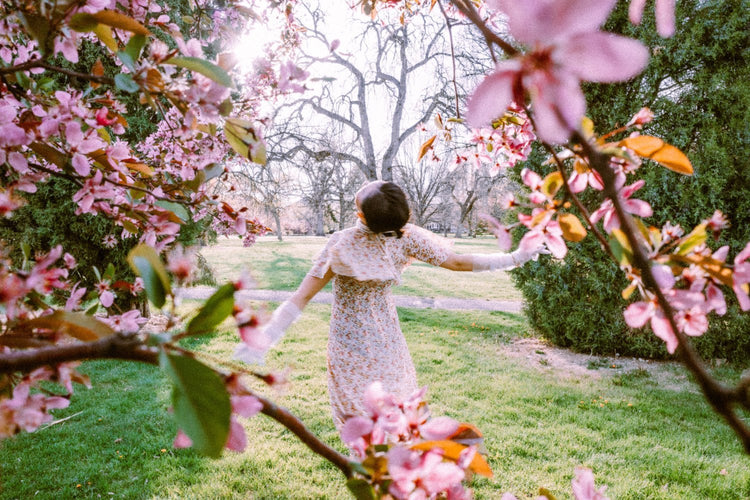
{"x":452,"y":450}
{"x":659,"y":151}
{"x":141,"y":168}
{"x":552,"y":184}
{"x":78,"y":325}
{"x":426,"y":147}
{"x":118,"y":20}
{"x":97,"y":70}
{"x":572,"y":228}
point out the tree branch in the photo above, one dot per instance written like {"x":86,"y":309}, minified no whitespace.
{"x":38,"y":63}
{"x":720,"y":397}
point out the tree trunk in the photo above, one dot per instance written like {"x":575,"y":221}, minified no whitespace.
{"x":319,"y":223}
{"x":277,"y":222}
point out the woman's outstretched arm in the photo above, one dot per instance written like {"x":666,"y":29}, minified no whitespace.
{"x":283,"y":317}
{"x":489,"y":262}
{"x":309,"y":287}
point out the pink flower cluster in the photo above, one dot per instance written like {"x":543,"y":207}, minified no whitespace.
{"x":399,"y":424}
{"x":566,"y":48}
{"x":27,"y":410}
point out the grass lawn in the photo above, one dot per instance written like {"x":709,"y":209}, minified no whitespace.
{"x":644,"y":441}
{"x":282,"y":265}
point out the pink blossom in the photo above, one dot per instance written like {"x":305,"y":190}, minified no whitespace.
{"x":182,"y":440}
{"x":583,"y":486}
{"x":355,"y":433}
{"x":74,"y":301}
{"x":717,"y":223}
{"x":632,"y":206}
{"x":582,"y":177}
{"x":67,"y":46}
{"x":109,"y":241}
{"x":289,"y":74}
{"x":665,"y":20}
{"x":643,"y":116}
{"x":129,"y":322}
{"x":70,"y":261}
{"x":545,"y":232}
{"x":414,"y":473}
{"x":236,"y":439}
{"x":106,"y":297}
{"x":504,"y":241}
{"x":567,"y":48}
{"x":181,"y":264}
{"x":741,"y":279}
{"x":638,"y":314}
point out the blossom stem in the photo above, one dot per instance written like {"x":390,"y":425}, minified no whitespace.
{"x":569,"y":192}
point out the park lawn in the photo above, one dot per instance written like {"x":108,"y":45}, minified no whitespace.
{"x":281,"y":265}
{"x":643,"y":441}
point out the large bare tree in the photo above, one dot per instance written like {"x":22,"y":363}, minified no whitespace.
{"x":391,"y":81}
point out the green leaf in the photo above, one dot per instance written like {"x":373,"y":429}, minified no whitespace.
{"x":109,"y":272}
{"x":241,"y":135}
{"x":358,"y":467}
{"x":127,"y":60}
{"x":75,"y":324}
{"x":176,"y":208}
{"x":361,"y":489}
{"x":203,"y":67}
{"x":126,"y":83}
{"x":216,"y":309}
{"x":38,"y":26}
{"x":146,"y":263}
{"x":135,"y":46}
{"x":620,"y":246}
{"x":200,"y":401}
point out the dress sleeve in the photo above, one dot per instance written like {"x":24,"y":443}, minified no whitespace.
{"x":426,"y":246}
{"x":323,"y":261}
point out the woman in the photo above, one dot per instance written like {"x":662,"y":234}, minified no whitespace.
{"x":365,"y":261}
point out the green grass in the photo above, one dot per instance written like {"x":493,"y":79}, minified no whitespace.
{"x":282,"y":265}
{"x":643,"y":441}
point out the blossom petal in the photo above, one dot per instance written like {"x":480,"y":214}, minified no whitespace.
{"x":603,"y":57}
{"x":558,"y":108}
{"x":354,"y":428}
{"x":438,"y":428}
{"x":662,"y":329}
{"x":665,"y":18}
{"x":493,"y":96}
{"x":638,"y":313}
{"x":237,"y":440}
{"x":635,"y":11}
{"x":543,"y":20}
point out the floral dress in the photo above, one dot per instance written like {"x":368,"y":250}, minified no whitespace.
{"x":365,"y":342}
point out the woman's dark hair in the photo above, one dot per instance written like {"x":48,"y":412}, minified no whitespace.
{"x":385,"y":208}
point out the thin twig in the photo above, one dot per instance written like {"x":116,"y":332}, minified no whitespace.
{"x":453,"y":56}
{"x":38,"y":63}
{"x":471,"y":13}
